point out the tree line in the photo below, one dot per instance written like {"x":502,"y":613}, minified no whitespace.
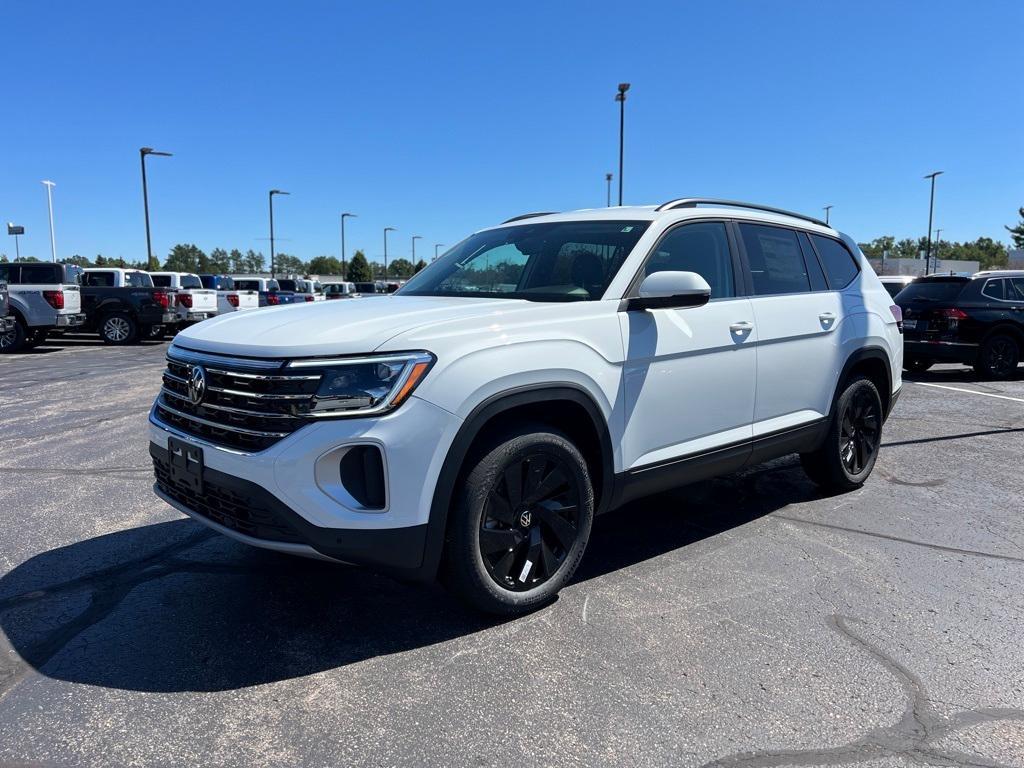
{"x":989,"y":253}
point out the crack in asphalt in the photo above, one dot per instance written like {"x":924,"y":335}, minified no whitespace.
{"x":109,"y":587}
{"x":900,"y":539}
{"x":913,"y":737}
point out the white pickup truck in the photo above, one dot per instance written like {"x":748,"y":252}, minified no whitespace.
{"x":304,"y":290}
{"x":230,"y":298}
{"x":192,"y":301}
{"x":44,"y":299}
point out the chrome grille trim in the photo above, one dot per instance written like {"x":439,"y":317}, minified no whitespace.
{"x":257,"y":395}
{"x":191,"y":357}
{"x":227,"y":409}
{"x":217,"y":424}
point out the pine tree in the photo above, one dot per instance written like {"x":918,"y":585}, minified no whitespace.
{"x":359,"y":269}
{"x":1017,"y":233}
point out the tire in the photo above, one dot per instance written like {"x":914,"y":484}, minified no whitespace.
{"x":119,"y":329}
{"x":546,"y":537}
{"x":36,"y":337}
{"x":998,"y":357}
{"x":847,"y":455}
{"x":916,"y":365}
{"x":14,"y":339}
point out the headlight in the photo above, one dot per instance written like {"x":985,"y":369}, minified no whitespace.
{"x":363,"y":386}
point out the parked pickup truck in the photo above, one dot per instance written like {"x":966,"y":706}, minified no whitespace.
{"x":6,"y":319}
{"x":229,"y":297}
{"x":305,"y":290}
{"x":43,"y":298}
{"x":123,"y":306}
{"x":269,"y":291}
{"x":192,"y":301}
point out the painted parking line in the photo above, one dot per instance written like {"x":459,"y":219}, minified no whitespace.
{"x":969,"y":391}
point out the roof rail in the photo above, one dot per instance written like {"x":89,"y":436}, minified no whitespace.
{"x":693,"y":202}
{"x":528,"y":216}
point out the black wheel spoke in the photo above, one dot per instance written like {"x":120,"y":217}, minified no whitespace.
{"x":503,"y":566}
{"x":564,"y":531}
{"x":500,"y":509}
{"x":493,"y":540}
{"x":554,"y":481}
{"x":535,"y":467}
{"x":514,"y":484}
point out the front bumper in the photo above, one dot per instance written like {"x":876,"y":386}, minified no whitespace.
{"x":70,"y":321}
{"x":286,"y":497}
{"x":196,"y":317}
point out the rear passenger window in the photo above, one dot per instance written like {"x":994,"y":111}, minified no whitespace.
{"x":993,"y":289}
{"x":101,"y":279}
{"x":702,"y":248}
{"x":817,"y":277}
{"x":1015,"y":289}
{"x":161,"y":281}
{"x":838,"y":261}
{"x":776,"y":263}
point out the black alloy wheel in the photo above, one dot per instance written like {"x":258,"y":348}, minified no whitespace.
{"x":998,"y":357}
{"x":860,"y":430}
{"x":530,"y":521}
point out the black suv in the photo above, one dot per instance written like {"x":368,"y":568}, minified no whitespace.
{"x":975,"y":320}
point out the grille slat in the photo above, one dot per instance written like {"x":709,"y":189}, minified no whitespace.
{"x":240,"y":409}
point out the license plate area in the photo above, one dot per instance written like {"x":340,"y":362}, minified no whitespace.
{"x":186,"y":464}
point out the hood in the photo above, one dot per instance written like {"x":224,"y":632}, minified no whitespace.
{"x":313,"y":329}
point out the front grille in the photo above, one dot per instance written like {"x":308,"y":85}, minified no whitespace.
{"x":248,"y":404}
{"x":223,"y":506}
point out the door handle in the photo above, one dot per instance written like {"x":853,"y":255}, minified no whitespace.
{"x":741,"y":327}
{"x":827,"y":318}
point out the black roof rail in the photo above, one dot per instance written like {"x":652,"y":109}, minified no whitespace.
{"x":528,"y":216}
{"x":693,"y":202}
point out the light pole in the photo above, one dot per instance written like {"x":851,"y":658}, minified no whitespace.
{"x":938,"y":241}
{"x":436,"y":246}
{"x":145,"y":200}
{"x":608,"y":179}
{"x":343,"y":216}
{"x":414,"y":239}
{"x":49,"y":202}
{"x":271,"y":197}
{"x":827,"y":208}
{"x":386,"y":230}
{"x":931,"y":210}
{"x":621,"y":98}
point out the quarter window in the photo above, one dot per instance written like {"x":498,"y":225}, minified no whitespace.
{"x":993,"y":289}
{"x":105,"y":279}
{"x":1015,"y":289}
{"x":702,"y":248}
{"x":838,"y":261}
{"x":36,"y":274}
{"x":776,"y":263}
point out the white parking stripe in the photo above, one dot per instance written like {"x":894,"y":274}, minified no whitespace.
{"x":969,"y":391}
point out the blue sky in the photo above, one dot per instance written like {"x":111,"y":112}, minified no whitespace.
{"x":440,"y":118}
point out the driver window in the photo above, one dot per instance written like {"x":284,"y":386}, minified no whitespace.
{"x":703,"y":248}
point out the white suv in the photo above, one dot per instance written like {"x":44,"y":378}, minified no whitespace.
{"x":539,"y":373}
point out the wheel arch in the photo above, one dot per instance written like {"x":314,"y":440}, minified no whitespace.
{"x":872,"y":362}
{"x":1005,"y":328}
{"x":502,"y":408}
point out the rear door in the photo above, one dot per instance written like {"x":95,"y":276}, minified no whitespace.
{"x":796,"y":315}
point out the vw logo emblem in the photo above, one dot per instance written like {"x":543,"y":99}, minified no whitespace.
{"x":197,"y":385}
{"x":525,"y":519}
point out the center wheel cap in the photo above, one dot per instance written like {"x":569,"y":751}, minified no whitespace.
{"x":525,"y":519}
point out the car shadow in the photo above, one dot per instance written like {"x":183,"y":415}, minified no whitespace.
{"x":173,"y":606}
{"x":78,"y":341}
{"x":963,"y":375}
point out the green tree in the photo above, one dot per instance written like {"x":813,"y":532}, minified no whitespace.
{"x":989,"y":253}
{"x":324,"y":265}
{"x":359,"y":269}
{"x":400,"y":268}
{"x":184,"y":257}
{"x":874,"y":249}
{"x":236,"y":261}
{"x":254,"y":262}
{"x":25,"y":260}
{"x":3,"y":258}
{"x":79,"y":261}
{"x":1017,"y":233}
{"x":419,"y":265}
{"x":285,"y":263}
{"x":218,"y":262}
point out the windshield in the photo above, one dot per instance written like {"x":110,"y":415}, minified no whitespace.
{"x":161,"y":281}
{"x":560,"y":261}
{"x":931,"y":290}
{"x":289,"y":285}
{"x":273,"y":285}
{"x":191,"y":281}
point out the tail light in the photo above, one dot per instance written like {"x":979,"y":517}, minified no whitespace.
{"x":897,"y":315}
{"x":162,"y":298}
{"x":54,"y":298}
{"x":233,"y":299}
{"x":953,"y":314}
{"x":273,"y":298}
{"x":185,"y":300}
{"x":310,"y":298}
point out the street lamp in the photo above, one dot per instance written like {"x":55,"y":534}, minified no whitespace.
{"x":414,"y":239}
{"x":145,"y":200}
{"x":827,"y":208}
{"x":436,"y":246}
{"x":343,"y":216}
{"x":931,"y":210}
{"x":608,"y":179}
{"x":386,"y":230}
{"x":621,"y":98}
{"x":49,"y":202}
{"x":938,"y":241}
{"x":271,"y":196}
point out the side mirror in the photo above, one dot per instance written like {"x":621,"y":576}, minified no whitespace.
{"x":665,"y":290}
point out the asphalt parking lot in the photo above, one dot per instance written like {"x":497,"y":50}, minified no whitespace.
{"x":746,"y":621}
